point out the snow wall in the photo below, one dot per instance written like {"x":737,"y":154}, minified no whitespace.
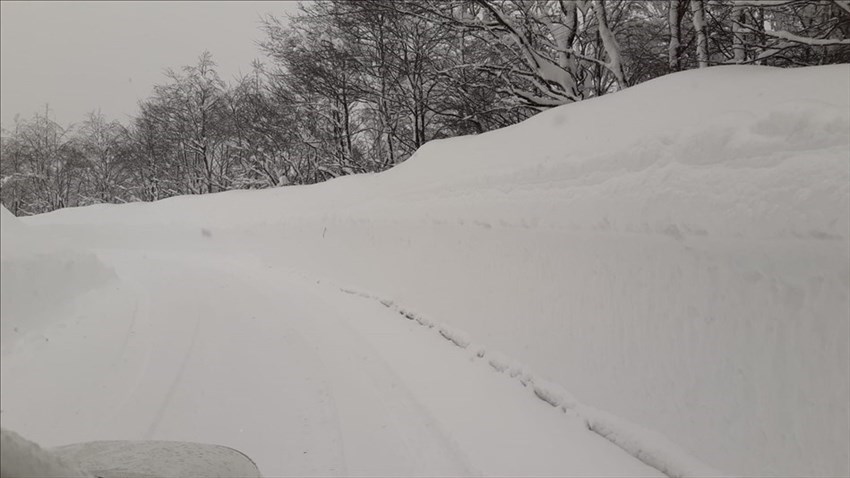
{"x":40,"y":277}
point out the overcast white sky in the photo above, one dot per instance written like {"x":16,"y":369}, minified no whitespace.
{"x":79,"y":56}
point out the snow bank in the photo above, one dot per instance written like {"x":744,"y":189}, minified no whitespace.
{"x":40,"y":276}
{"x":717,"y":152}
{"x":676,"y":254}
{"x":22,"y":457}
{"x":8,"y":220}
{"x":12,"y":233}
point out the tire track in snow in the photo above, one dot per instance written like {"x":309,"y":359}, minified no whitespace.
{"x":142,"y":297}
{"x":399,"y":408}
{"x":130,"y":329}
{"x":364,"y":399}
{"x":169,"y":396}
{"x":124,"y":354}
{"x":651,"y":448}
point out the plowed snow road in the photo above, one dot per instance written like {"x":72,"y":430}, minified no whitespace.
{"x":305,"y":379}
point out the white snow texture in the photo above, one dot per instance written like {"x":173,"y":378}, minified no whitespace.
{"x":672,"y":261}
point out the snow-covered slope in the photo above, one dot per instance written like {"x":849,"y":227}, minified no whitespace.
{"x":40,"y":279}
{"x":717,"y":152}
{"x":676,"y":254}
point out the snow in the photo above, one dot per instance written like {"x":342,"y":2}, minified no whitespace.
{"x":40,"y":277}
{"x":21,"y":457}
{"x":305,"y":380}
{"x":656,"y":280}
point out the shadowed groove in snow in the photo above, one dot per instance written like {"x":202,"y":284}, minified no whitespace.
{"x":651,"y":448}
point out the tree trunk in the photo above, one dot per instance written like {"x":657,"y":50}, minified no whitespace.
{"x":740,"y":55}
{"x":698,"y":10}
{"x":674,"y":49}
{"x":610,"y":44}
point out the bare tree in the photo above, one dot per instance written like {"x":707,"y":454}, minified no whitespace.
{"x":101,"y":143}
{"x":698,"y":11}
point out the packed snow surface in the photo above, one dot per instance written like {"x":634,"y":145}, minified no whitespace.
{"x":657,"y":280}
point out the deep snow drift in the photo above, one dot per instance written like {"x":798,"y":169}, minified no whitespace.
{"x":676,"y":254}
{"x":39,"y":277}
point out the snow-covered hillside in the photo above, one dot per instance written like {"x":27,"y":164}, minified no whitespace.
{"x":676,"y":255}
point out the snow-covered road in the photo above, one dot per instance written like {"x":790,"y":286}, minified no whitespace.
{"x":306,"y":379}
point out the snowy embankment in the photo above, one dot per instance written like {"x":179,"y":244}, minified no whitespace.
{"x":675,"y":254}
{"x":40,"y":278}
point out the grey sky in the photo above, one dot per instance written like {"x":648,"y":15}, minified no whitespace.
{"x":79,"y":56}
